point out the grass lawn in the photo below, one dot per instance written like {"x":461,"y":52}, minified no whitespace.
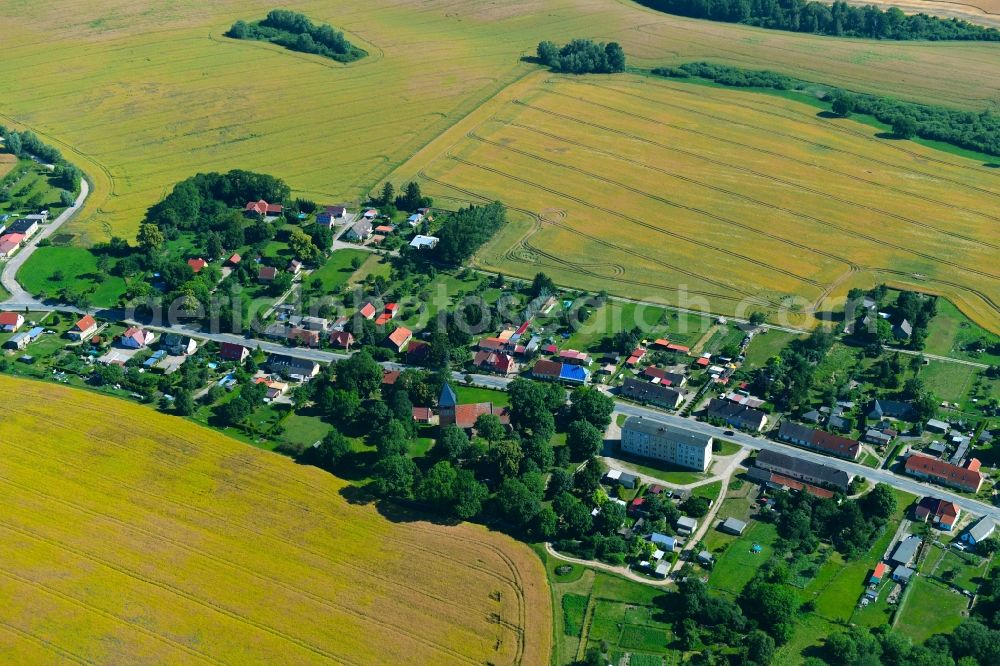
{"x":868,"y":460}
{"x":948,"y":381}
{"x":929,"y":608}
{"x":337,"y":270}
{"x":950,"y":331}
{"x":737,"y":565}
{"x":304,"y":430}
{"x":727,"y":448}
{"x":766,"y":346}
{"x":971,"y":569}
{"x":708,"y":491}
{"x":374,"y":265}
{"x":472,"y":394}
{"x":51,"y":269}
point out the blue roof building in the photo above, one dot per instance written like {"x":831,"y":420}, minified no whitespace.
{"x":662,"y":540}
{"x":573,"y":373}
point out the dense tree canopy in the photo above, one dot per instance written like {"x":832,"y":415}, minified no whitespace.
{"x":582,"y":56}
{"x":464,"y":231}
{"x":838,"y":19}
{"x":297,"y":33}
{"x":966,"y":129}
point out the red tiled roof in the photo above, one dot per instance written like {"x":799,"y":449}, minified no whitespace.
{"x":383,"y":318}
{"x":492,"y":344}
{"x":197,"y":264}
{"x":9,"y":318}
{"x":13,"y":237}
{"x":944,"y":472}
{"x":702,"y":362}
{"x":835,"y":444}
{"x":466,"y":415}
{"x":367,"y":311}
{"x":310,"y":338}
{"x":789,"y":482}
{"x":86,"y":322}
{"x":392,"y":308}
{"x":880,"y":570}
{"x":422,"y":414}
{"x":235,"y":259}
{"x":678,"y":348}
{"x":545,"y":368}
{"x":400,"y":336}
{"x":267,"y":273}
{"x":262,"y":207}
{"x":389,"y":377}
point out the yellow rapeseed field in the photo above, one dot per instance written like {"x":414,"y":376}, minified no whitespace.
{"x":132,"y":537}
{"x":641,"y":185}
{"x":143,"y":93}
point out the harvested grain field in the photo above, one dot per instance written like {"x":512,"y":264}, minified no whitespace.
{"x":129,"y":536}
{"x":141,"y":94}
{"x":983,"y":12}
{"x":642,"y":185}
{"x":7,"y":163}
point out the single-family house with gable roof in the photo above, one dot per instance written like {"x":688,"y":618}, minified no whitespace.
{"x":11,"y":321}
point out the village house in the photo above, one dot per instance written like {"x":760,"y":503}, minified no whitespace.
{"x":26,"y":226}
{"x":398,"y":338}
{"x":496,"y":363}
{"x":546,"y":369}
{"x":654,"y":394}
{"x":664,"y":441}
{"x":360,"y":231}
{"x":802,"y":470}
{"x":421,"y":242}
{"x":367,"y":311}
{"x":234,"y":260}
{"x":294,"y":368}
{"x":197,"y":264}
{"x":267,"y":273}
{"x":229,"y":351}
{"x":983,"y":529}
{"x":940,"y":513}
{"x":341,"y":339}
{"x":738,"y":416}
{"x":11,"y":321}
{"x":303,"y":337}
{"x":136,"y":338}
{"x":262,"y":209}
{"x":661,"y":376}
{"x":178,"y":345}
{"x":83,"y":329}
{"x":967,"y":478}
{"x":465,"y":416}
{"x":819,"y":440}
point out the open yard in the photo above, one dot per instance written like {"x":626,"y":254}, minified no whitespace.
{"x":176,"y":543}
{"x":772,"y":210}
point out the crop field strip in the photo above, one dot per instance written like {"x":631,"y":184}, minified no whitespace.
{"x":249,"y":475}
{"x":698,"y":144}
{"x":110,"y":78}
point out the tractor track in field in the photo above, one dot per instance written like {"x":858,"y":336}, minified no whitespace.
{"x":167,"y":587}
{"x":193,"y":446}
{"x":656,"y":260}
{"x":624,"y":250}
{"x":740,"y":225}
{"x":514,"y":582}
{"x":51,"y":591}
{"x":781,"y":156}
{"x":287,"y":587}
{"x":47,"y":644}
{"x":771,"y":108}
{"x":655,"y":197}
{"x":845,"y":230}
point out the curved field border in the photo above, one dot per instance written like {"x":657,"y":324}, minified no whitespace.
{"x":255,"y":476}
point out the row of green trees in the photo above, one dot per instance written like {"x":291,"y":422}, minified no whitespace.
{"x":965,"y":129}
{"x":296,"y":32}
{"x":839,"y":19}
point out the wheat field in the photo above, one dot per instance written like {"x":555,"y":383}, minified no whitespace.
{"x":640,"y":185}
{"x":133,"y":537}
{"x":142,"y":94}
